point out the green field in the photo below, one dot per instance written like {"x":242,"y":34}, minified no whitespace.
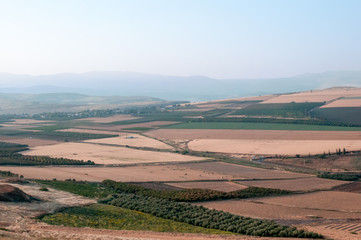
{"x":110,"y":217}
{"x":260,"y":126}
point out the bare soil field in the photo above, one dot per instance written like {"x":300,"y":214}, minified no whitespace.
{"x":330,"y":163}
{"x":110,"y":119}
{"x":32,"y":142}
{"x":273,"y":147}
{"x":239,"y":171}
{"x":163,"y":173}
{"x":349,"y":187}
{"x":134,"y":140}
{"x":30,"y":121}
{"x":316,"y":95}
{"x":102,"y":154}
{"x":303,"y":184}
{"x":323,"y":200}
{"x":346,"y":230}
{"x":218,"y":186}
{"x":344,"y":103}
{"x":262,"y":210}
{"x":190,"y":134}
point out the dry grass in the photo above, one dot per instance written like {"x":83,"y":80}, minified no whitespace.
{"x":344,"y":103}
{"x":125,"y":174}
{"x":101,"y":154}
{"x":273,"y":147}
{"x":134,"y":140}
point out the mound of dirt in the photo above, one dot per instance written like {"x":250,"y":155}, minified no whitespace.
{"x":10,"y":193}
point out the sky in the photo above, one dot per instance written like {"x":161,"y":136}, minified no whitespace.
{"x":214,"y":38}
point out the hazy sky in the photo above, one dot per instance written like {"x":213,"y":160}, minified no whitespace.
{"x":223,"y":39}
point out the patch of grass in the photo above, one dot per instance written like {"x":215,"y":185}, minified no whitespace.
{"x":86,"y":189}
{"x":139,"y":128}
{"x":111,"y":217}
{"x":260,"y":126}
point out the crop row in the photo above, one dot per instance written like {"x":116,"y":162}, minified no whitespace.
{"x":203,"y":217}
{"x":19,"y":159}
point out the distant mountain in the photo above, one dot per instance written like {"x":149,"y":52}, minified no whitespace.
{"x":193,"y":88}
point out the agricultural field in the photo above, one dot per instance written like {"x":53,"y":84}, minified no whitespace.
{"x":216,"y":185}
{"x":103,"y":154}
{"x":152,"y":173}
{"x":304,"y":184}
{"x":134,"y":140}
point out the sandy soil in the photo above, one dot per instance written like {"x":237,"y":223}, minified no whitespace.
{"x":303,"y":184}
{"x":344,"y":103}
{"x":239,"y":171}
{"x":134,"y":140}
{"x":323,"y":200}
{"x":190,"y":134}
{"x":32,"y":142}
{"x":316,"y":95}
{"x":273,"y":147}
{"x":218,"y":186}
{"x":101,"y":154}
{"x":255,"y":209}
{"x":110,"y":119}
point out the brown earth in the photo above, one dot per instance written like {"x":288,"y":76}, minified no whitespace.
{"x":302,"y":184}
{"x":32,"y":142}
{"x":344,"y":103}
{"x":9,"y":193}
{"x":239,"y":171}
{"x":217,"y":186}
{"x":354,"y":187}
{"x":110,"y":119}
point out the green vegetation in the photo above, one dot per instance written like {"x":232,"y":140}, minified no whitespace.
{"x":86,"y":189}
{"x":291,"y":110}
{"x":203,"y":217}
{"x":260,"y":126}
{"x":139,"y":128}
{"x":192,"y":195}
{"x":110,"y":217}
{"x":340,"y":176}
{"x":347,"y":115}
{"x":12,"y":147}
{"x":9,"y":174}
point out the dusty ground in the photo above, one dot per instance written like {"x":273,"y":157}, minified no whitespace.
{"x":218,"y":186}
{"x":162,"y":173}
{"x":239,"y":171}
{"x":134,"y":140}
{"x":303,"y":184}
{"x":102,"y":154}
{"x":273,"y":147}
{"x":345,"y":230}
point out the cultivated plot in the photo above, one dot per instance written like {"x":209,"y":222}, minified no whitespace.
{"x":239,"y":171}
{"x":273,"y":147}
{"x":101,"y":154}
{"x":303,"y":184}
{"x":217,"y":186}
{"x":134,"y":140}
{"x":125,"y":174}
